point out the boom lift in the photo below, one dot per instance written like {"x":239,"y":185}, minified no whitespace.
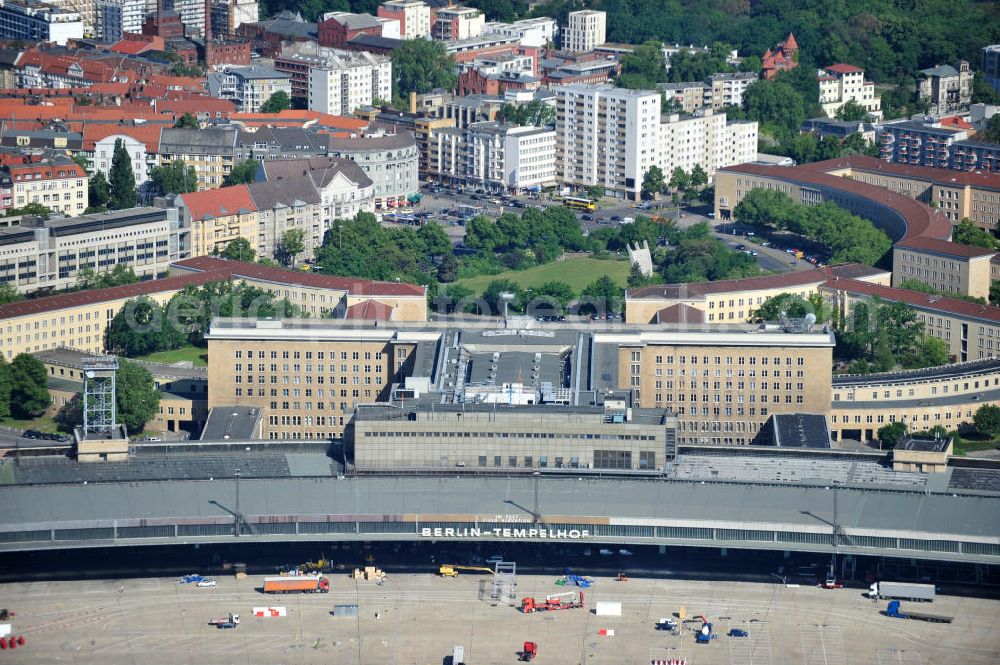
{"x":558,"y":601}
{"x":451,"y":570}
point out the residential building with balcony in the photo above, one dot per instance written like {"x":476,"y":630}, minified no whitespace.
{"x":455,"y":22}
{"x":945,"y":88}
{"x":414,"y":17}
{"x":348,"y":80}
{"x":536,"y":32}
{"x":114,"y":18}
{"x":210,"y":151}
{"x":391,"y":161}
{"x":248,"y":87}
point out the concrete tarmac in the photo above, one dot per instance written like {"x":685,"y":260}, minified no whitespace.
{"x":421,"y":617}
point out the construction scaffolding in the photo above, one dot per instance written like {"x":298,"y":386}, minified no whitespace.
{"x":504,"y":583}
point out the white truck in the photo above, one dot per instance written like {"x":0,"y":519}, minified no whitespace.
{"x":902,"y":591}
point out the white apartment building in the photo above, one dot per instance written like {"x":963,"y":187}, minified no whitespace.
{"x":839,"y":84}
{"x":586,"y":30}
{"x":452,"y":23}
{"x":728,"y":89}
{"x":414,"y":17}
{"x":243,"y":11}
{"x":348,"y":81}
{"x":116,"y":17}
{"x":142,"y":162}
{"x":606,"y":137}
{"x":536,"y":32}
{"x":248,"y":87}
{"x":529,"y":157}
{"x":192,"y":14}
{"x":705,"y":139}
{"x":34,"y":22}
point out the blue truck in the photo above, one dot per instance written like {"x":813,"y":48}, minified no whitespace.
{"x":895,"y":611}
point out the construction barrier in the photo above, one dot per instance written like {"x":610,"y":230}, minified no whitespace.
{"x":270,"y":612}
{"x":668,"y":661}
{"x":606,"y":632}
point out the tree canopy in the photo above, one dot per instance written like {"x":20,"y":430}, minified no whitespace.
{"x":239,"y":249}
{"x":420,"y":65}
{"x":276,"y":103}
{"x":123,"y":193}
{"x":242,"y":173}
{"x":174,"y":178}
{"x":137,"y":399}
{"x":967,"y":233}
{"x":987,"y":420}
{"x":29,"y":392}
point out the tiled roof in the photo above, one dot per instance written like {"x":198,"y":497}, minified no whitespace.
{"x":680,"y":313}
{"x":300,"y":118}
{"x":354,"y":286}
{"x":196,"y":104}
{"x":791,"y":280}
{"x":369,"y":310}
{"x":946,"y":247}
{"x":322,"y":170}
{"x":940,"y":176}
{"x":96,"y":296}
{"x":145,"y":134}
{"x":130,"y":47}
{"x":46,"y":171}
{"x":841,"y":68}
{"x":222,"y":202}
{"x":920,"y":219}
{"x":917,"y":299}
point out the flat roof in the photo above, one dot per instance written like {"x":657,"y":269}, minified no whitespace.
{"x":231,"y":423}
{"x":922,"y":445}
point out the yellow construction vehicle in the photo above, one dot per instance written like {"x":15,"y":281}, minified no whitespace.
{"x":451,"y":570}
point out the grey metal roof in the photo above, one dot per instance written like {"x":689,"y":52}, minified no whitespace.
{"x":287,"y":139}
{"x":800,"y":430}
{"x":366,"y":143}
{"x":73,"y":358}
{"x":322,"y":170}
{"x":943,"y":71}
{"x":356,"y":21}
{"x":945,"y":514}
{"x":231,"y":422}
{"x":197,"y":141}
{"x":374,"y":41}
{"x":288,"y":193}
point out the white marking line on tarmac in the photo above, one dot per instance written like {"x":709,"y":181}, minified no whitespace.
{"x":822,"y":645}
{"x":898,"y":657}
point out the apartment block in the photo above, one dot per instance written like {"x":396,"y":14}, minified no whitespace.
{"x":59,"y":185}
{"x":210,"y":151}
{"x":348,"y":80}
{"x":727,"y":89}
{"x":840,"y":83}
{"x":141,"y":142}
{"x":455,"y":22}
{"x":217,"y":217}
{"x":704,"y":139}
{"x":344,"y":188}
{"x":945,"y":88}
{"x":117,"y":17}
{"x":51,"y":255}
{"x":585,"y":30}
{"x":33,"y":21}
{"x":606,"y":137}
{"x":414,"y":17}
{"x":499,"y":157}
{"x":284,"y":206}
{"x":534,"y":32}
{"x":390,"y":161}
{"x":248,"y":87}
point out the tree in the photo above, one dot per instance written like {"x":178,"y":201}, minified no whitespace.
{"x":991,"y":132}
{"x":29,"y":393}
{"x":652,"y":182}
{"x":930,"y":352}
{"x":9,"y":294}
{"x":882,"y":354}
{"x":891,"y":434}
{"x":699,"y":178}
{"x":995,"y":292}
{"x":967,"y":233}
{"x":603,"y":295}
{"x":987,"y":420}
{"x":448,"y":268}
{"x":136,"y":397}
{"x":775,"y":104}
{"x":88,"y":278}
{"x":771,"y":309}
{"x":33,"y":209}
{"x":141,"y":327}
{"x":436,"y":241}
{"x":496,"y":304}
{"x":243,"y":173}
{"x":174,"y":178}
{"x":679,"y":179}
{"x":239,"y":249}
{"x":122,"y":180}
{"x":98,"y":190}
{"x":186,"y":121}
{"x":276,"y":103}
{"x":535,"y":114}
{"x":643,"y":67}
{"x":421,"y":65}
{"x":595,"y":192}
{"x":851,"y":111}
{"x":292,"y":244}
{"x":559,"y":291}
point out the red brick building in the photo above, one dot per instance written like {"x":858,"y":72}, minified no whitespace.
{"x":783,"y":58}
{"x":337,"y":30}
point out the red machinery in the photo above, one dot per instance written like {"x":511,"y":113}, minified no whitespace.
{"x":528,"y":652}
{"x":559,"y":601}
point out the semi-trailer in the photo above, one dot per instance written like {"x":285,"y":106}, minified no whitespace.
{"x":896,"y":612}
{"x":902,"y":591}
{"x":297,"y":584}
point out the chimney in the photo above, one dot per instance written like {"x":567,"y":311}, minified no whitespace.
{"x":413,"y":101}
{"x":208,"y":27}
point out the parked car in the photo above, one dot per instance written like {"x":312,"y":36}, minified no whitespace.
{"x":737,"y":632}
{"x":207,"y":584}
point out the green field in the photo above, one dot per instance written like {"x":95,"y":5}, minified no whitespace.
{"x":577,"y":272}
{"x":193,"y":354}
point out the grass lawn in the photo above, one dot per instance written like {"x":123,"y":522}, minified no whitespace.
{"x":970,"y":443}
{"x":577,"y":272}
{"x":193,"y":354}
{"x":41,"y":423}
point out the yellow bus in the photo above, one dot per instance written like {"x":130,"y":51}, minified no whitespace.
{"x":579,"y":204}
